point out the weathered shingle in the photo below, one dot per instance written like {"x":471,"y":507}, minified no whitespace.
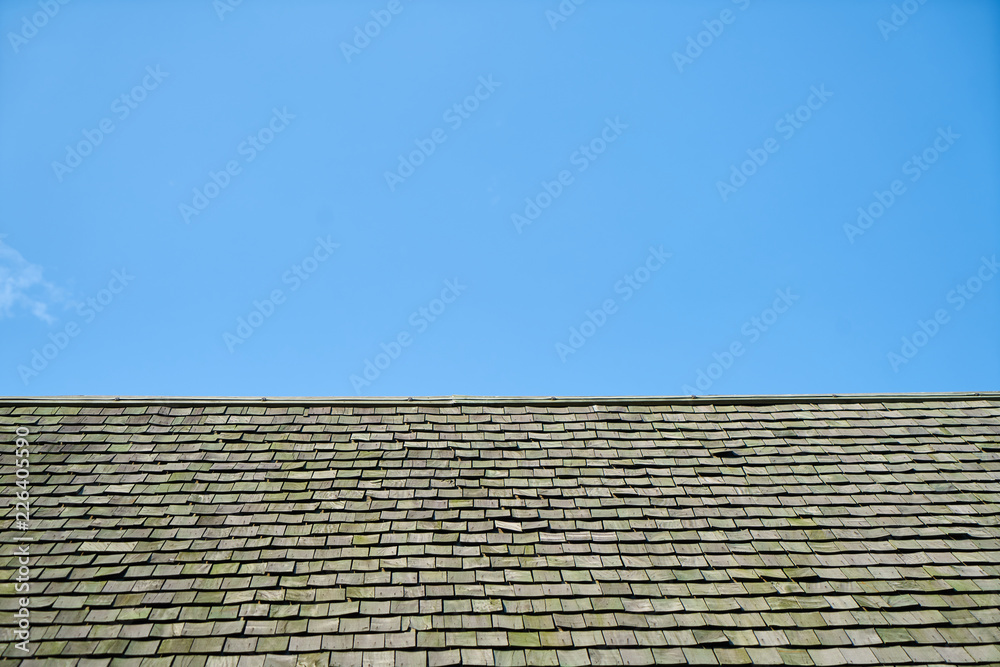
{"x":813,"y":531}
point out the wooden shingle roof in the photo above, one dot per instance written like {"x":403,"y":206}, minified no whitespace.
{"x":394,"y":532}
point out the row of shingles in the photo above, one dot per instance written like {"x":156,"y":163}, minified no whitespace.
{"x":884,"y":577}
{"x":236,"y":644}
{"x":536,"y":595}
{"x":781,"y":548}
{"x":743,"y":637}
{"x":968,"y":458}
{"x":40,"y":459}
{"x":951,"y":638}
{"x":966,"y":630}
{"x":517,"y":631}
{"x":49,"y":459}
{"x":976,"y":613}
{"x":352,"y":574}
{"x":37,"y":440}
{"x":620,"y":522}
{"x":82,"y":429}
{"x":43,"y":461}
{"x":83,"y":580}
{"x":456,"y":604}
{"x":901,"y":446}
{"x":393,"y":630}
{"x":227,"y":594}
{"x":283,"y":612}
{"x":491,"y":657}
{"x":536,"y":633}
{"x":457,"y":610}
{"x":450,"y":508}
{"x":313,"y":618}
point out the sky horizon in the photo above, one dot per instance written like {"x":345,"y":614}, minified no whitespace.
{"x":392,"y":198}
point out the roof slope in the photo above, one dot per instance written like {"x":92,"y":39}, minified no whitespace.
{"x":244,"y":532}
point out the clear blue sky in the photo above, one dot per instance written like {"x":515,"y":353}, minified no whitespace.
{"x":629,"y":198}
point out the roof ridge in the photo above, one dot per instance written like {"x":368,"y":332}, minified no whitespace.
{"x":750,"y":399}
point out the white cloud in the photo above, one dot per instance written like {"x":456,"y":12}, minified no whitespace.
{"x":22,"y":286}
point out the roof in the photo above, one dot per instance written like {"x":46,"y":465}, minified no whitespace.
{"x":727,"y":530}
